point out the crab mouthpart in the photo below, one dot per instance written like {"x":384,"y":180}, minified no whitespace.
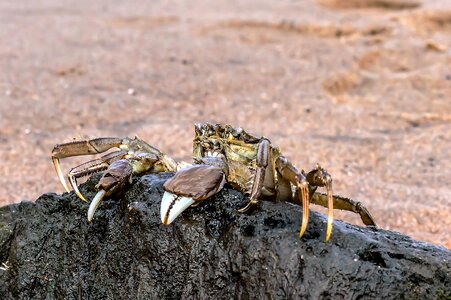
{"x":95,"y":203}
{"x":172,"y":206}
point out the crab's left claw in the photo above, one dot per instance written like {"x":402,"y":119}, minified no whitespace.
{"x":189,"y":185}
{"x":113,"y":180}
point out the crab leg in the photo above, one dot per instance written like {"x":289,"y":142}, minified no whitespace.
{"x":92,"y":167}
{"x":56,"y":165}
{"x":319,"y":177}
{"x":330,"y":209}
{"x":88,"y":147}
{"x":290,"y":173}
{"x":345,"y":204}
{"x":259,"y":179}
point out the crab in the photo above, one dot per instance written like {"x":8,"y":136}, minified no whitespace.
{"x":221,"y":154}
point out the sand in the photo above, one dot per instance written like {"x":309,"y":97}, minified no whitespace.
{"x":362,"y":87}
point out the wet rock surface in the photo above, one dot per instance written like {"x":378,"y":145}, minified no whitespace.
{"x":210,"y":252}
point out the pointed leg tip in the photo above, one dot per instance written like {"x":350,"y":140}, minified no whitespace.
{"x":80,"y":195}
{"x":56,"y":165}
{"x":303,"y":227}
{"x":301,"y":233}
{"x":73,"y":183}
{"x":329,"y":228}
{"x":248,"y":206}
{"x":328,"y":234}
{"x":305,"y":209}
{"x":330,"y":213}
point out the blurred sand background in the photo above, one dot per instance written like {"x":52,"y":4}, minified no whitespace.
{"x":363,"y":87}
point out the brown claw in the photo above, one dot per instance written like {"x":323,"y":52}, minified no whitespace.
{"x":113,"y":180}
{"x":209,"y":179}
{"x":115,"y":177}
{"x":189,"y":185}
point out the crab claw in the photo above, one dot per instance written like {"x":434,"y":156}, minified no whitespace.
{"x":172,"y":206}
{"x":113,"y":180}
{"x":189,"y":185}
{"x":95,"y":203}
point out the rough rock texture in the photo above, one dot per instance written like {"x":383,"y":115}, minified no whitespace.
{"x":210,"y":252}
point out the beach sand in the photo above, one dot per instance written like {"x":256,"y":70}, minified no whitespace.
{"x":361,"y":87}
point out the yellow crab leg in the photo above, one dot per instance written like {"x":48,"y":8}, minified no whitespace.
{"x":73,"y":183}
{"x":330,"y":210}
{"x":56,"y":164}
{"x":305,"y":207}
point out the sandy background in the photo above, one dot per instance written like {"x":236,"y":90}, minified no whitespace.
{"x":363,"y":87}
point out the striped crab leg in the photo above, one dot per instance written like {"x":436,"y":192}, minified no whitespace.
{"x":88,"y":147}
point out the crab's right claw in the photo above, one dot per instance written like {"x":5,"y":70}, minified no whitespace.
{"x":113,"y":180}
{"x":189,"y":185}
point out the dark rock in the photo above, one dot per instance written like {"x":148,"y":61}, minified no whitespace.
{"x":209,"y":252}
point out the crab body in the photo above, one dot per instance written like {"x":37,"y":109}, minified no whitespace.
{"x":239,"y":150}
{"x":221,"y":155}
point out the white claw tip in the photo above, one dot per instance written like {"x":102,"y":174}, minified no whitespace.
{"x":172,"y":206}
{"x":94,"y":204}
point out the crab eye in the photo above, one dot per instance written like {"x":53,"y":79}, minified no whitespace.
{"x":217,"y":145}
{"x":236,"y":132}
{"x":198,"y":129}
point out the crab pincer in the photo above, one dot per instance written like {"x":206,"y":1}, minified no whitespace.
{"x":189,"y":186}
{"x":113,"y":180}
